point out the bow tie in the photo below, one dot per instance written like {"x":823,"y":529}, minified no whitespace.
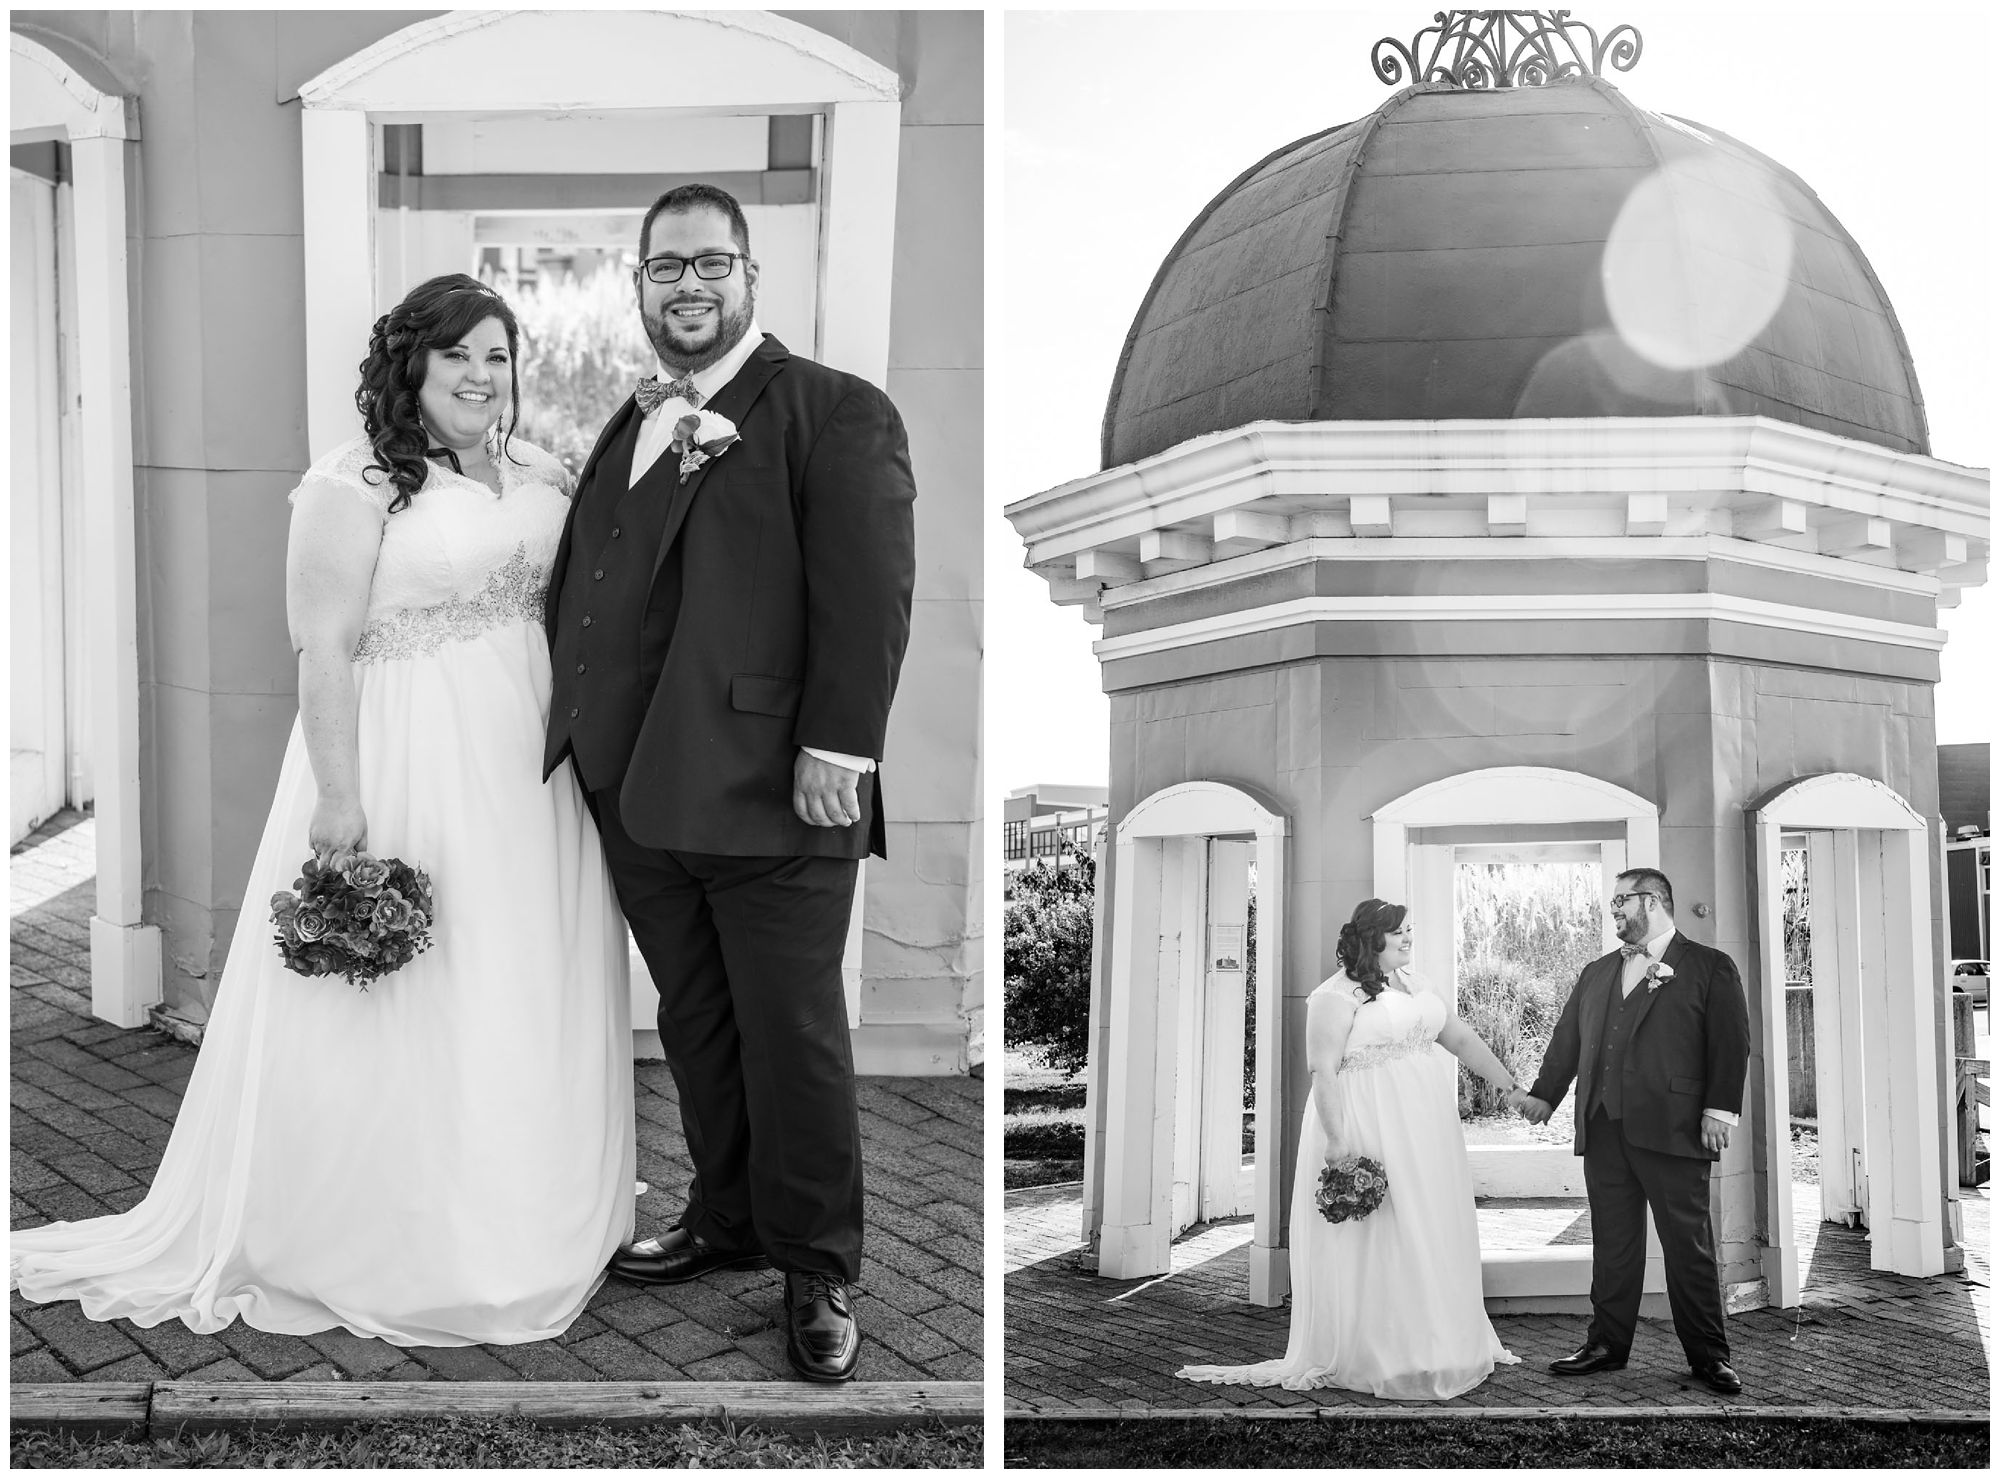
{"x":1630,"y":951}
{"x":652,"y":393}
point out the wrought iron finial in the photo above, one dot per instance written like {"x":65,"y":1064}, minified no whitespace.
{"x":1504,"y":48}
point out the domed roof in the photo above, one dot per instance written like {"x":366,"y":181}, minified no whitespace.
{"x":1514,"y":252}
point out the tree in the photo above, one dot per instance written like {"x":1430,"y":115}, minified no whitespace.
{"x":1049,"y":932}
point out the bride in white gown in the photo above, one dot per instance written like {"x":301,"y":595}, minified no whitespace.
{"x":1389,"y":1304}
{"x":446,"y":1158}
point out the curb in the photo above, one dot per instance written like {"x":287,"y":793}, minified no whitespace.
{"x":165,"y":1407}
{"x":1941,"y":1416}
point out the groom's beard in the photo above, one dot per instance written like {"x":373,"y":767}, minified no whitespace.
{"x":684,"y":353}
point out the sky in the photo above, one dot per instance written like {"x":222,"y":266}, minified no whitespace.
{"x":1119,"y":126}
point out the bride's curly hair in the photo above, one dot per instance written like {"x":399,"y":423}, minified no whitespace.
{"x":433,"y":315}
{"x":1362,"y":941}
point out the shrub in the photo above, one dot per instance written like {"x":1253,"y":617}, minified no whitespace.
{"x":582,"y":349}
{"x":1514,"y":1011}
{"x":1048,"y":942}
{"x":1044,"y":1140}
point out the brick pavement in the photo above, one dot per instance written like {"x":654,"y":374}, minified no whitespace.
{"x":93,"y":1105}
{"x":1860,"y":1339}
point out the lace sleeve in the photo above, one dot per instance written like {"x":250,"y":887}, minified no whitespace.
{"x":541,"y":466}
{"x":348,"y":468}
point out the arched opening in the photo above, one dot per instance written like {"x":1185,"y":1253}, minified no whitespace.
{"x":1882,"y":1125}
{"x":482,"y":128}
{"x":73,"y":492}
{"x":1425,"y":842}
{"x":1167,"y":1089}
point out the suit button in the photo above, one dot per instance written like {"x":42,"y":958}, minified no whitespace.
{"x":579,"y":667}
{"x":572,"y":713}
{"x":597,"y":575}
{"x":614,"y":533}
{"x":586,"y":621}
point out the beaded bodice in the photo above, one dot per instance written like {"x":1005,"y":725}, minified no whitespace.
{"x":1392,"y":1026}
{"x":457,"y":560}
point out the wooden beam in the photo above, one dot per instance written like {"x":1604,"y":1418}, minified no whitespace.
{"x":1645,"y":514}
{"x":1163,"y":551}
{"x":1507,"y":515}
{"x":1929,"y":549}
{"x":862,"y":1406}
{"x":1239,"y":532}
{"x":1837,"y":536}
{"x":80,"y":1406}
{"x":1108,"y":567}
{"x":576,"y":192}
{"x":1772,"y":522}
{"x":1371,"y":516}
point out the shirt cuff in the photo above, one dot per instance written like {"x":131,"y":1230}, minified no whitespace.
{"x":847,"y":762}
{"x":1725,"y":1116}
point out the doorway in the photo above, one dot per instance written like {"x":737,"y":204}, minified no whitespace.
{"x":1213,"y":1175}
{"x":1884,"y":1123}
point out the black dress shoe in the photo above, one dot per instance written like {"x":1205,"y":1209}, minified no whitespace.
{"x":822,"y":1340}
{"x":1720,"y":1377}
{"x":677,"y":1256}
{"x":1591,"y":1356}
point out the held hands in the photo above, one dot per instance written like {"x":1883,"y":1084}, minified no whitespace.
{"x":338,"y":830}
{"x":824,"y":794}
{"x":1714,"y":1134}
{"x":1534,"y":1111}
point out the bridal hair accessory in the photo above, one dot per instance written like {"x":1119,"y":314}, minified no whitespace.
{"x":1350,"y":1188}
{"x":362,"y":920}
{"x":699,"y":438}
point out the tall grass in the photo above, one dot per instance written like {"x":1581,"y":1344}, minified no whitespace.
{"x":1524,"y":932}
{"x":583,"y":348}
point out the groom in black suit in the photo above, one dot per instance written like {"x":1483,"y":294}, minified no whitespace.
{"x":1657,"y":1037}
{"x":726,"y":624}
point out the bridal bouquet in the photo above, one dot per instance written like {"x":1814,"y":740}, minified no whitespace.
{"x":1351,"y":1187}
{"x":362,"y":920}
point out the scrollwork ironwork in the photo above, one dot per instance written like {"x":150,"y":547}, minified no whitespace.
{"x":1480,"y":49}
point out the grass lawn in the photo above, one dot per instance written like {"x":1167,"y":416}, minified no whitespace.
{"x":1554,"y":1443}
{"x":1043,"y":1129}
{"x":504,"y":1443}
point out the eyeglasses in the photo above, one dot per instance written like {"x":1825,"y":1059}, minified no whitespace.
{"x":1618,"y":900}
{"x":709,"y":266}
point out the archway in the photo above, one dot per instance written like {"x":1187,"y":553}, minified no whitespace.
{"x":1514,"y":813}
{"x":1167,"y":1111}
{"x":75,"y":101}
{"x":502,"y":75}
{"x":1875,"y":1020}
{"x":509,"y":65}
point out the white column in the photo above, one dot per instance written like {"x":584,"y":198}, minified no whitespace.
{"x":1781,"y":1257}
{"x":124,"y":953}
{"x":1126,"y":1248}
{"x":1914,"y":1233}
{"x":858,"y":237}
{"x":339,"y":260}
{"x":1270,"y":1271}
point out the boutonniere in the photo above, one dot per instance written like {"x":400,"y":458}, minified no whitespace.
{"x":700,"y":437}
{"x":1659,"y":973}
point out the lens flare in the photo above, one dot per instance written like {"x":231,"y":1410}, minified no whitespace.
{"x":1698,"y":261}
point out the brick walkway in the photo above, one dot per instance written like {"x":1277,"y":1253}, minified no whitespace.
{"x":93,"y":1104}
{"x":1861,"y":1339}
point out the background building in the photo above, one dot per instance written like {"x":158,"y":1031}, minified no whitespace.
{"x":1039,"y":821}
{"x":210,"y":208}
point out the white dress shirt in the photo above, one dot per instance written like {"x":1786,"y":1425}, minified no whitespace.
{"x":1636,"y":967}
{"x":656,"y":434}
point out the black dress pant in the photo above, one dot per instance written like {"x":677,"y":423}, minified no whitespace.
{"x":1623,"y":1180}
{"x":745,"y":953}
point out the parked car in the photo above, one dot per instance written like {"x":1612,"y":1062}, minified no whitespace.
{"x":1970,"y":976}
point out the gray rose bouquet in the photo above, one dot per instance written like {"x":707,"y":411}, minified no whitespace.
{"x":1350,"y":1188}
{"x":362,"y":920}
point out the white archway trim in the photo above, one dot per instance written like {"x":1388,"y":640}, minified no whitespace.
{"x":49,"y":98}
{"x":550,"y":61}
{"x":1839,"y":800}
{"x":1139,"y":1004}
{"x":794,"y":64}
{"x":1882,"y":860}
{"x":1508,"y":795}
{"x":53,"y":100}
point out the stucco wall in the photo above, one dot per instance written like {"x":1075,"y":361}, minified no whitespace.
{"x":219,"y":392}
{"x":1331,"y":740}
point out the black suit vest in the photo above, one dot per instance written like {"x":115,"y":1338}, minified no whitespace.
{"x":1617,"y":1038}
{"x":616,"y":618}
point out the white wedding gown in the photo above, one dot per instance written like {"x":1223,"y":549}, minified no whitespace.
{"x":1389,"y":1304}
{"x":447,"y":1157}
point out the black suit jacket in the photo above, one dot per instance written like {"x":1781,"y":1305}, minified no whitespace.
{"x":797,"y":560}
{"x":1689,"y":1047}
